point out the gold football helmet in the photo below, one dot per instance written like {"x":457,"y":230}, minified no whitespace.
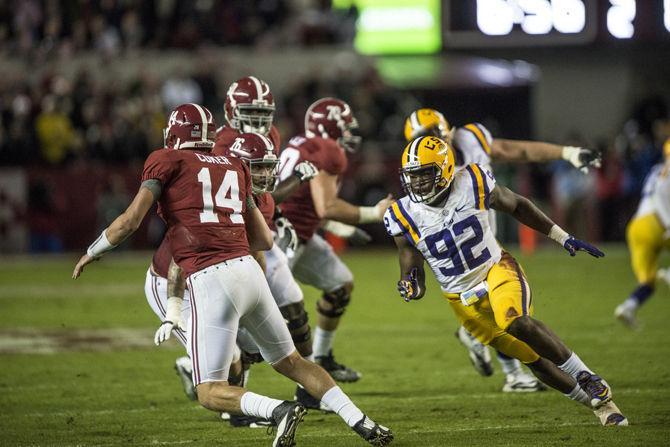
{"x":666,"y":149}
{"x":424,"y":122}
{"x":428,"y":167}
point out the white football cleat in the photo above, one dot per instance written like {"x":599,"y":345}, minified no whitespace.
{"x":184,"y":370}
{"x":610,"y":415}
{"x":521,"y":382}
{"x":477,"y":351}
{"x":627,"y":314}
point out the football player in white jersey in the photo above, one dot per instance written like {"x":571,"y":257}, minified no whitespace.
{"x":473,"y":143}
{"x":647,"y":234}
{"x":444,"y":221}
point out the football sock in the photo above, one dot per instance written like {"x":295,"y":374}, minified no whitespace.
{"x":578,"y":395}
{"x":245,"y":378}
{"x":639,"y":296}
{"x":323,"y":342}
{"x":574,"y":365}
{"x":253,"y":404}
{"x":342,"y":405}
{"x":508,"y":364}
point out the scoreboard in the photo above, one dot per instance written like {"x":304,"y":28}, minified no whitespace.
{"x":506,"y":23}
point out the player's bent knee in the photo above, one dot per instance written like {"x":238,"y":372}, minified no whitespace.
{"x":297,"y":321}
{"x":521,"y":327}
{"x":333,"y":304}
{"x":287,"y":365}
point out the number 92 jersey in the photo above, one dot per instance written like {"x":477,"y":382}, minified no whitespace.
{"x":455,"y":239}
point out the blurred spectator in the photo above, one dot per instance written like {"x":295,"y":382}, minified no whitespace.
{"x":54,"y":128}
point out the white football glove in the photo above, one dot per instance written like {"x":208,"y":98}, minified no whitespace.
{"x":286,"y":238}
{"x":581,"y":158}
{"x":305,"y":171}
{"x":172,"y":321}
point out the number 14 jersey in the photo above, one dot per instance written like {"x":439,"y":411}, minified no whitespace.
{"x":456,"y":238}
{"x":203,"y":201}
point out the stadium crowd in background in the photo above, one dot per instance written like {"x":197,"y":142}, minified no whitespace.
{"x":52,"y":119}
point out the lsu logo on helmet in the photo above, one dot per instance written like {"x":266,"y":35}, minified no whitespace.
{"x":428,"y":168}
{"x":427,"y":122}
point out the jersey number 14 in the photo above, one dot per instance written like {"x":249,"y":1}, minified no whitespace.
{"x":227,"y":196}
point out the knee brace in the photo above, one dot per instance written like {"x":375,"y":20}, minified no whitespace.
{"x":297,"y":322}
{"x":338,"y":299}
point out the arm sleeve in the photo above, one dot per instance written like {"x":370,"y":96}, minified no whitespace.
{"x":483,"y":182}
{"x":476,"y":140}
{"x":392,"y":224}
{"x":158,"y":167}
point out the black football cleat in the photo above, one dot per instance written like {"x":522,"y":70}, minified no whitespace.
{"x":249,"y":421}
{"x":373,"y":433}
{"x":287,"y":416}
{"x":337,"y":371}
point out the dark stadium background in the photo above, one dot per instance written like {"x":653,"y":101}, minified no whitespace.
{"x":86,"y":85}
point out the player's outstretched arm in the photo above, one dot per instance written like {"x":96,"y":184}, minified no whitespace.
{"x":537,"y":151}
{"x":412,"y":284}
{"x":525,"y":211}
{"x":122,"y":227}
{"x":328,"y":206}
{"x":258,"y":233}
{"x":303,"y":172}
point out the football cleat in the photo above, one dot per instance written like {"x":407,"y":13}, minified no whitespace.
{"x":627,"y":314}
{"x":521,"y":382}
{"x":287,"y":416}
{"x":596,"y":388}
{"x":184,"y":370}
{"x":478,"y":352}
{"x":308,"y":401}
{"x":249,"y":421}
{"x":610,"y":415}
{"x":373,"y":433}
{"x":337,"y":371}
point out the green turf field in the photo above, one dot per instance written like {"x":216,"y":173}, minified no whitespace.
{"x":78,"y":367}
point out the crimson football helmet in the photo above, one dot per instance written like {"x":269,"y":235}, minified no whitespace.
{"x":261,"y":156}
{"x":190,"y":126}
{"x":332,"y":118}
{"x":250,"y":105}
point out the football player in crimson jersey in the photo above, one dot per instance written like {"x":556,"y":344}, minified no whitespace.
{"x":328,"y":136}
{"x":473,"y":143}
{"x":260,"y":155}
{"x":213,"y":223}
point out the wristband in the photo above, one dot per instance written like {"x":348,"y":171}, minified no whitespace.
{"x":368,"y":214}
{"x":100,"y":246}
{"x":558,"y":234}
{"x":339,"y":229}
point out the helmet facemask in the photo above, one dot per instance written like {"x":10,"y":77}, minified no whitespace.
{"x":349,"y":140}
{"x":264,"y":174}
{"x":424,"y":184}
{"x":253,"y":118}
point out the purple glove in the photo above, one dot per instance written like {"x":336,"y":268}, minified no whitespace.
{"x":573,"y":245}
{"x":409,"y":288}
